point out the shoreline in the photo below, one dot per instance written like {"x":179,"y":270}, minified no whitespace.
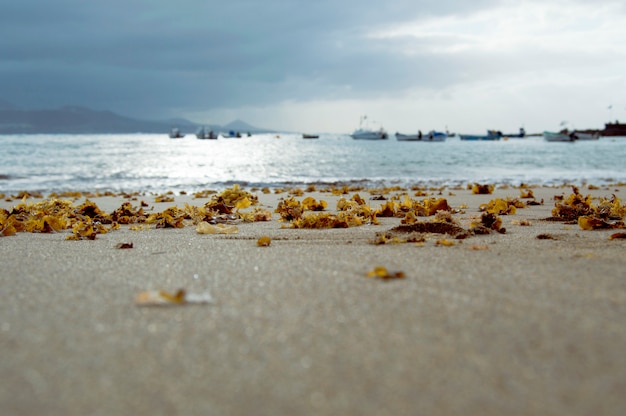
{"x":502,"y":323}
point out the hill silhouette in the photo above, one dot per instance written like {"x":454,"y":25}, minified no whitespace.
{"x":82,"y":120}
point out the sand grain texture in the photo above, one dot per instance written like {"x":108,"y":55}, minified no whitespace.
{"x":519,"y":326}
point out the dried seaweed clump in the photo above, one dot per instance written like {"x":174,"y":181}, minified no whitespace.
{"x":381,"y":272}
{"x":127,"y":214}
{"x":167,"y":197}
{"x":88,"y":229}
{"x":500,"y":206}
{"x":231,"y":199}
{"x":257,"y":215}
{"x":289,"y":209}
{"x":352,"y":213}
{"x":526,"y":193}
{"x":309,"y":203}
{"x":482,"y":189}
{"x":576,"y":205}
{"x":204,"y":194}
{"x":170,"y":218}
{"x":488,"y":222}
{"x":609,"y":213}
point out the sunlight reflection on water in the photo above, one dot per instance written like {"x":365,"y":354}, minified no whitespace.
{"x":157,"y":163}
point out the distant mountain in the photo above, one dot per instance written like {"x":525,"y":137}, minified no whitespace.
{"x":239,"y":125}
{"x":81,"y":120}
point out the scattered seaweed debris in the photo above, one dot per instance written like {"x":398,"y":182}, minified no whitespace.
{"x":381,"y":272}
{"x":264,"y":241}
{"x":576,"y":205}
{"x":445,"y":242}
{"x":163,"y":298}
{"x":579,"y":209}
{"x":352,"y":213}
{"x":124,"y":245}
{"x":546,"y":237}
{"x":482,"y":189}
{"x":389,"y":238}
{"x":433,"y":227}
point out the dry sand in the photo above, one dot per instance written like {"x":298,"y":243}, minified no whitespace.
{"x":526,"y":326}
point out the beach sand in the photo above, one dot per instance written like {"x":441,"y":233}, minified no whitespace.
{"x":494,"y":324}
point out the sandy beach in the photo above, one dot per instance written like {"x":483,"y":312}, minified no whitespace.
{"x":502,"y":323}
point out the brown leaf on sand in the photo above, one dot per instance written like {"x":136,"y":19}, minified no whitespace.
{"x":617,"y":235}
{"x":163,"y":298}
{"x":546,"y":237}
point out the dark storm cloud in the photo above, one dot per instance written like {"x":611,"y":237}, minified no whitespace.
{"x":145,"y":57}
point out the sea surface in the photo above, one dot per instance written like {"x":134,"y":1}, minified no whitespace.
{"x":156,"y":163}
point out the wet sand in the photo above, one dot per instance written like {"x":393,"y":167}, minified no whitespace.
{"x":495,"y":324}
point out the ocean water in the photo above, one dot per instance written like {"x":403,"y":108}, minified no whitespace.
{"x":149,"y":162}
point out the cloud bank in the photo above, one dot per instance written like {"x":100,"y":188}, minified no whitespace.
{"x":317,"y":66}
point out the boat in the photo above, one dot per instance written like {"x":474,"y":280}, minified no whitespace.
{"x":231,"y":135}
{"x":614,"y":129}
{"x":491,"y":135}
{"x":310,"y":136}
{"x":176,"y":134}
{"x":366,"y":133}
{"x":562,"y":136}
{"x":570,"y":136}
{"x":203,"y":134}
{"x":520,"y":135}
{"x":584,"y":135}
{"x":431,"y":136}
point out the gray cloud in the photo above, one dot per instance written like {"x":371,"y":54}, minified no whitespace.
{"x":156,"y":58}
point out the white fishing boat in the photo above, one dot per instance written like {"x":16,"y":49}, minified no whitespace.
{"x":586,"y":136}
{"x":559,"y":137}
{"x":570,"y":136}
{"x":204,"y":134}
{"x":175,"y":133}
{"x":364,"y":132}
{"x":431,"y":136}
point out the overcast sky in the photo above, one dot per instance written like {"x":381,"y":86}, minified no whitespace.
{"x":316,"y":66}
